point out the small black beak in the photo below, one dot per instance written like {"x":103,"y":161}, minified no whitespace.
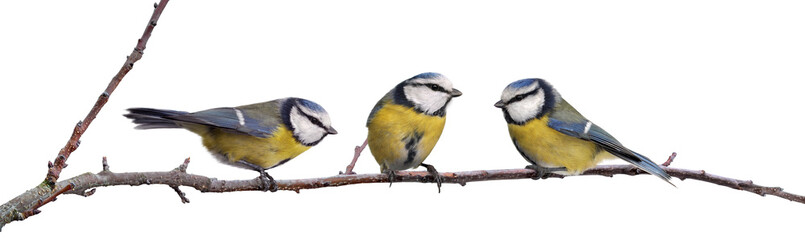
{"x":331,"y":130}
{"x":500,"y":104}
{"x":455,"y":93}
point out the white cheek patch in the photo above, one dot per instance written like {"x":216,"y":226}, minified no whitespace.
{"x":527,"y":108}
{"x":322,"y":116}
{"x":425,"y":99}
{"x":304,"y":130}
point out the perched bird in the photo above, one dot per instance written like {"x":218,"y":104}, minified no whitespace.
{"x":406,"y":123}
{"x":551,"y":135}
{"x":258,"y":136}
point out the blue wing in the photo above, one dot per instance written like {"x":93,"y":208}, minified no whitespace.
{"x":593,"y":133}
{"x":230,"y":119}
{"x":604,"y":140}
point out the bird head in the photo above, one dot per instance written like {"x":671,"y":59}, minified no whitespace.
{"x":427,"y":92}
{"x":309,"y":121}
{"x":527,"y":99}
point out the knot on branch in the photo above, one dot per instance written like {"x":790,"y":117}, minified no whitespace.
{"x":88,"y":193}
{"x":633,"y":171}
{"x":78,"y":128}
{"x":17,"y":215}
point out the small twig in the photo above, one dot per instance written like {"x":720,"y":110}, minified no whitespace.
{"x":183,"y":169}
{"x":181,"y":194}
{"x":183,"y":166}
{"x":105,"y":164}
{"x":158,"y":8}
{"x":670,"y":159}
{"x":358,"y":150}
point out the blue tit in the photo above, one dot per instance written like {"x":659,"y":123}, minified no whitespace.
{"x":551,"y":135}
{"x":258,"y":136}
{"x":406,"y":123}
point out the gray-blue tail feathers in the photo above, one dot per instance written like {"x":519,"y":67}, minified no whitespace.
{"x":649,"y":166}
{"x":149,"y":118}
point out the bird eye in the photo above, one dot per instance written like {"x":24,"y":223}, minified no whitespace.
{"x":314,"y":120}
{"x":519,"y":97}
{"x":433,"y":87}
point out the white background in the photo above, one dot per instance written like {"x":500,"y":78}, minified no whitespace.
{"x":716,"y":81}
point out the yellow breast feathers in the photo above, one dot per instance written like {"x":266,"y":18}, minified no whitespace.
{"x":401,"y":138}
{"x":263,"y":152}
{"x":551,"y":148}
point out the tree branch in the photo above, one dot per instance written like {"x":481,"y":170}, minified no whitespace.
{"x":55,"y":167}
{"x":85,"y":184}
{"x":23,"y":206}
{"x":178,"y":177}
{"x":28,"y":203}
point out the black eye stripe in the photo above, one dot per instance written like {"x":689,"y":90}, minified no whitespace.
{"x":432,"y":86}
{"x":520,"y":97}
{"x":315,"y":121}
{"x":312,"y":119}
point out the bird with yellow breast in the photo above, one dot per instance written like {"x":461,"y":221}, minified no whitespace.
{"x":406,"y":123}
{"x":551,"y":135}
{"x":258,"y":136}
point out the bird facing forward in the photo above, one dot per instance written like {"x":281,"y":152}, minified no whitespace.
{"x":406,"y":123}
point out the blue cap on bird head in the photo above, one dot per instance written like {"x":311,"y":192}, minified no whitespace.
{"x":311,"y":105}
{"x":428,"y":75}
{"x":522,"y":83}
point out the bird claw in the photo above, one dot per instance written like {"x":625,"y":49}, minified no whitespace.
{"x":391,"y":175}
{"x":542,"y":172}
{"x":435,"y":175}
{"x":268,"y":183}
